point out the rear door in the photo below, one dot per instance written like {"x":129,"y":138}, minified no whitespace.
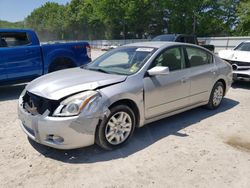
{"x":202,"y":74}
{"x":21,"y":58}
{"x":167,"y":93}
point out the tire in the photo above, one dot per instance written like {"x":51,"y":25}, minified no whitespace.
{"x":116,"y":129}
{"x":216,"y":96}
{"x":59,"y":67}
{"x":60,"y":64}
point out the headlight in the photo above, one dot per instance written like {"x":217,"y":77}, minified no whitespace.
{"x":23,"y":92}
{"x":73,"y":105}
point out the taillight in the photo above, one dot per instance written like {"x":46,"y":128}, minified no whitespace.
{"x":88,"y":48}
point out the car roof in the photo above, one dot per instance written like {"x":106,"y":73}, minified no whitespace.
{"x":176,"y":35}
{"x":158,"y":44}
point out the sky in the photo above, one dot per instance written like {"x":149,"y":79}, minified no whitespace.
{"x":17,"y":10}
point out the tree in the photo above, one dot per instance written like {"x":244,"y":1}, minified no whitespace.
{"x":201,"y":17}
{"x":243,"y":12}
{"x":48,"y":21}
{"x":122,"y":19}
{"x":5,"y":24}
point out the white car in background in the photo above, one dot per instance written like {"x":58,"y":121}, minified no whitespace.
{"x":113,"y":46}
{"x":239,"y":58}
{"x":106,"y":47}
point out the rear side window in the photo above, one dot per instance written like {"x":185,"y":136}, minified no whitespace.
{"x":198,"y":57}
{"x":13,"y":39}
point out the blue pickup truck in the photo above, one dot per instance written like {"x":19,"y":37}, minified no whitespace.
{"x":23,"y":58}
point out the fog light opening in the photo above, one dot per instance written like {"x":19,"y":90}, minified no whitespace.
{"x":55,"y":138}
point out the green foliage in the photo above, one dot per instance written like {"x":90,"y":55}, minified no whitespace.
{"x":5,"y":24}
{"x":244,"y":18}
{"x":48,"y":21}
{"x":118,"y":19}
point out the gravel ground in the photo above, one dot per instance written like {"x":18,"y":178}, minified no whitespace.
{"x":198,"y":148}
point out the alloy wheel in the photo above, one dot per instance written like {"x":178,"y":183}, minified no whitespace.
{"x":218,"y":95}
{"x":118,"y":128}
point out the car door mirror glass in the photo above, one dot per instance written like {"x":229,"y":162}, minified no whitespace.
{"x":158,"y":70}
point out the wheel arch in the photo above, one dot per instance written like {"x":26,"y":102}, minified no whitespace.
{"x":98,"y":132}
{"x":61,"y":60}
{"x":131,"y":104}
{"x":224,"y":84}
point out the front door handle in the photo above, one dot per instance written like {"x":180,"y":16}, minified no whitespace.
{"x":184,"y":80}
{"x":213,"y":72}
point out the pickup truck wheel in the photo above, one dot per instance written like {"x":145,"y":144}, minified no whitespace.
{"x":216,"y":96}
{"x":117,"y":128}
{"x":60,"y":64}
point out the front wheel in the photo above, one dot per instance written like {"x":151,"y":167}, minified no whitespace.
{"x":216,"y":96}
{"x":117,"y":128}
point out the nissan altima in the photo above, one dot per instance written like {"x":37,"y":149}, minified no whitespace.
{"x":126,"y":88}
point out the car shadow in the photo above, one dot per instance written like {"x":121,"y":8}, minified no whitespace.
{"x":242,"y":85}
{"x":142,"y":138}
{"x":11,"y":92}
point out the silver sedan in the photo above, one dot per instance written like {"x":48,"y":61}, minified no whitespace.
{"x":104,"y":101}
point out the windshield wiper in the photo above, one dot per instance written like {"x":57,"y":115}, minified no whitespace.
{"x":99,"y":70}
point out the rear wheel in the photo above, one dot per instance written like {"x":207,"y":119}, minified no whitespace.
{"x":216,"y":96}
{"x":117,"y":128}
{"x":60,"y":64}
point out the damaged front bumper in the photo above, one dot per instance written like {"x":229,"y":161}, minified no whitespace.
{"x":59,"y":132}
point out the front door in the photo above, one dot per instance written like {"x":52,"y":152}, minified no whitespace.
{"x":167,"y":93}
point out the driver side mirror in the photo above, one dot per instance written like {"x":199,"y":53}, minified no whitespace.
{"x":158,"y":70}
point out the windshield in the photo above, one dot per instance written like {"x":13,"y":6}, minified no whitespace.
{"x":125,"y":60}
{"x":244,"y":46}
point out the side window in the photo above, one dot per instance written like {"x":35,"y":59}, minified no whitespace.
{"x":172,"y":58}
{"x":13,"y":39}
{"x":198,"y":57}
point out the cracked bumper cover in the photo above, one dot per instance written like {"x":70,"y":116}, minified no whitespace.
{"x":74,"y":132}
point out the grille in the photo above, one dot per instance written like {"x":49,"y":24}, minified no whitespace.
{"x":239,"y":63}
{"x":243,"y":75}
{"x":38,"y":105}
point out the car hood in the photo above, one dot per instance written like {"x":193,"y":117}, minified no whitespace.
{"x":235,"y":55}
{"x":67,"y":82}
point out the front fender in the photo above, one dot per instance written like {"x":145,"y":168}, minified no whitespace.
{"x":121,"y":92}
